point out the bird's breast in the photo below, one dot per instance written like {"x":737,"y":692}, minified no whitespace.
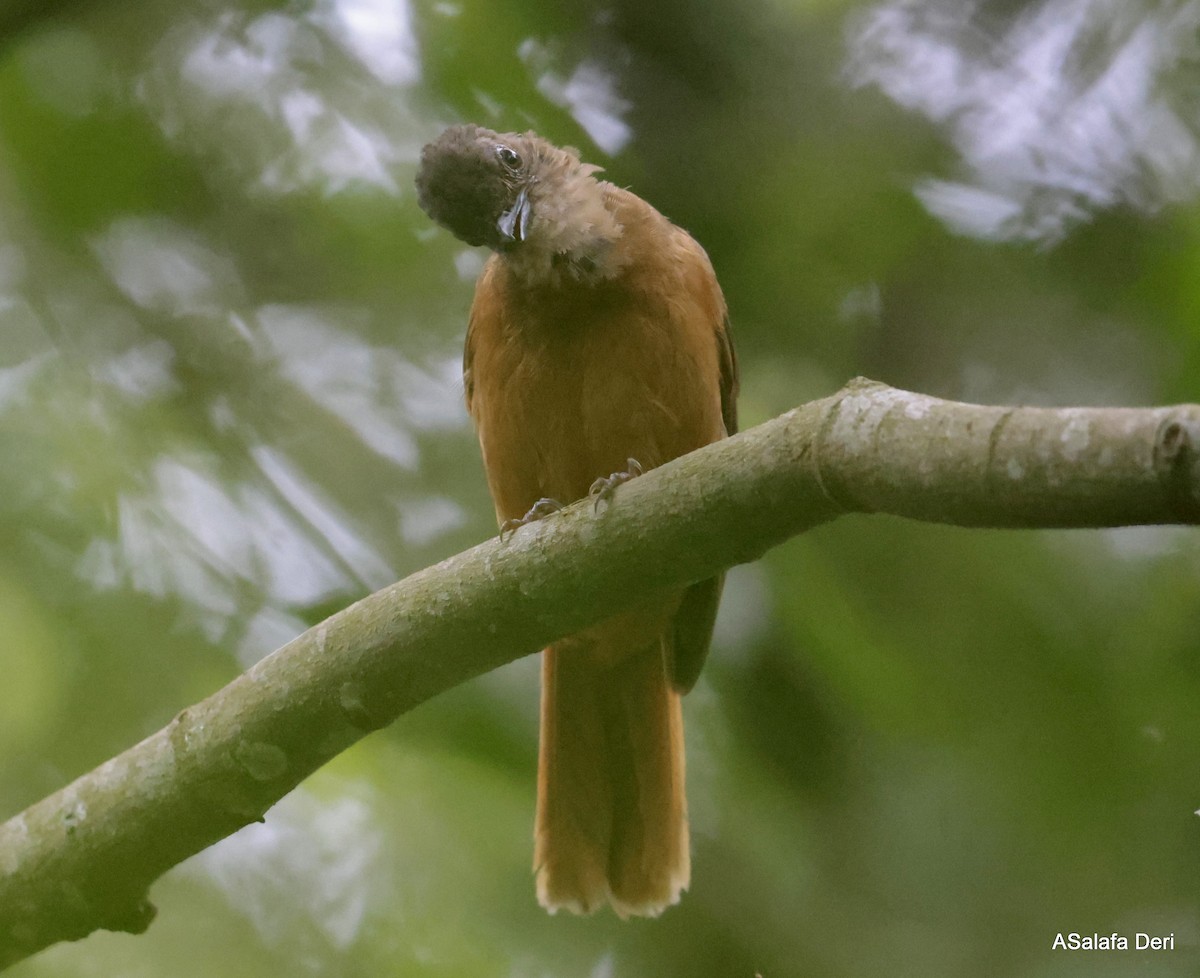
{"x":570,"y":383}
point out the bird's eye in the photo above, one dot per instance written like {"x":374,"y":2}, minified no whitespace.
{"x":509,"y":157}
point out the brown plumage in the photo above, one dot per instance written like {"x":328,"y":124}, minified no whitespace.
{"x":598,"y":334}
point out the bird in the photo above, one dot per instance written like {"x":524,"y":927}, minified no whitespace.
{"x":597,"y":346}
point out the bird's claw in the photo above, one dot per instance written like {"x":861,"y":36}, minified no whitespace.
{"x":543,"y":507}
{"x":603,"y":488}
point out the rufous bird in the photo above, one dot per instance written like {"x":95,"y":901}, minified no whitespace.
{"x":598,"y":345}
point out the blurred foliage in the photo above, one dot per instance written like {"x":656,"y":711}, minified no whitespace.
{"x":230,"y":404}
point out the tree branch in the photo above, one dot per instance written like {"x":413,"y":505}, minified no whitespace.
{"x":85,"y":857}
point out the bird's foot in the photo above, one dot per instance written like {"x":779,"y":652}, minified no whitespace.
{"x":543,"y":507}
{"x":603,"y":488}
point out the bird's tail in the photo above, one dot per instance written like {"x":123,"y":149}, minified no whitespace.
{"x":611,"y":810}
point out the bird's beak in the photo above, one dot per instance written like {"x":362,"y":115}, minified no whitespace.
{"x":514,"y":222}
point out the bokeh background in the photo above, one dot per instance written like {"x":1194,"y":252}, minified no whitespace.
{"x":230,"y":404}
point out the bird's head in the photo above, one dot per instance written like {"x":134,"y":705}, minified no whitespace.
{"x":479,"y":184}
{"x":533,"y":202}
